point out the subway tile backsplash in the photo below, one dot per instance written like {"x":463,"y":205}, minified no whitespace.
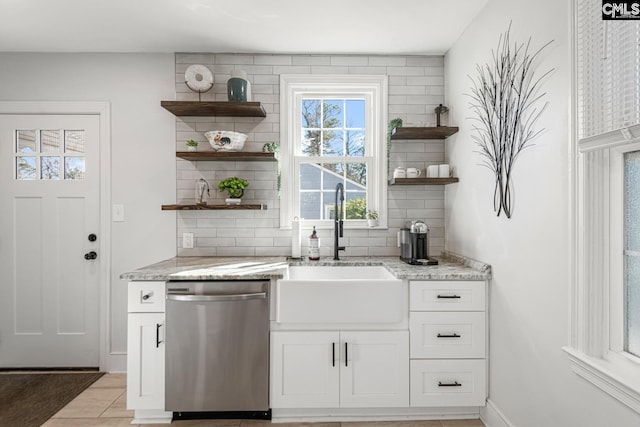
{"x":416,"y":87}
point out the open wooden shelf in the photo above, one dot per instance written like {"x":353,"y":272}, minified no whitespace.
{"x":423,"y":181}
{"x":440,"y":132}
{"x":219,"y":108}
{"x":226,"y":155}
{"x":259,"y":207}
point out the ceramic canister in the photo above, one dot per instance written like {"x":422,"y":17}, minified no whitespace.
{"x":238,"y":87}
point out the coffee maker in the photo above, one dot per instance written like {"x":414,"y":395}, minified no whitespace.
{"x":414,"y":244}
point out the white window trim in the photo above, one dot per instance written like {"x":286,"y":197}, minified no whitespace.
{"x":594,"y":350}
{"x":292,"y":88}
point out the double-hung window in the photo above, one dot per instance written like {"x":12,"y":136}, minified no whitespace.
{"x":333,"y":131}
{"x":605,"y":327}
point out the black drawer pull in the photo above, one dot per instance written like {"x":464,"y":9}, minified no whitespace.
{"x":454,"y":384}
{"x":453,"y":335}
{"x":448,"y":296}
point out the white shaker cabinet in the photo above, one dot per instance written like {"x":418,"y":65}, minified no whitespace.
{"x":331,"y":369}
{"x":448,"y":330}
{"x":145,"y":352}
{"x":374,"y":370}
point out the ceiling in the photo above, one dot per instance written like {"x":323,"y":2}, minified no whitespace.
{"x":255,"y":26}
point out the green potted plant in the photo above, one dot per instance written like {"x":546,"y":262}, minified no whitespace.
{"x":191,"y":145}
{"x":372,"y":218}
{"x":235,"y":187}
{"x":271,"y":147}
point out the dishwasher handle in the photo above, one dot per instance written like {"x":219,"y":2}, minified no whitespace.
{"x":217,"y":298}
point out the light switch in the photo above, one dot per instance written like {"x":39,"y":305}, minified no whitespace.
{"x":117,"y":213}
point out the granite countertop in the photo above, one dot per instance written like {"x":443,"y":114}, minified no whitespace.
{"x":450,"y":267}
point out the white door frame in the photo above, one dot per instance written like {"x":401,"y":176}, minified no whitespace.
{"x":103,"y":110}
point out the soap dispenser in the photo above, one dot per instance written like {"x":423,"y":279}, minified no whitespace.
{"x":314,"y":246}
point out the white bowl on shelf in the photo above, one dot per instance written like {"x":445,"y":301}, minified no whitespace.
{"x":226,"y":140}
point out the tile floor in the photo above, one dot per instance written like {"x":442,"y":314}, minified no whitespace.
{"x":104,"y":405}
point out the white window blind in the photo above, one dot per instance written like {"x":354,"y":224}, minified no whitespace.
{"x":608,"y":63}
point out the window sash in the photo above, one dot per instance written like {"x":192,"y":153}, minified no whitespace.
{"x":295,"y":88}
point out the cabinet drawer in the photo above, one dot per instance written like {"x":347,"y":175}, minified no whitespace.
{"x":146,"y":297}
{"x":447,"y":296}
{"x":439,"y":335}
{"x":448,"y":382}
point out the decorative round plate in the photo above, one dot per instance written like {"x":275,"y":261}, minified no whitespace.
{"x":198,"y":78}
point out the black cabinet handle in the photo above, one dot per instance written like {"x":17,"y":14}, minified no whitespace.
{"x":90,"y":255}
{"x":454,"y":384}
{"x":146,"y":297}
{"x":346,"y":354}
{"x":333,"y":354}
{"x":454,"y":296}
{"x":453,"y":335}
{"x":158,"y":335}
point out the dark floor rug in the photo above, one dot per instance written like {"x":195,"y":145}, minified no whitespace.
{"x":28,"y":400}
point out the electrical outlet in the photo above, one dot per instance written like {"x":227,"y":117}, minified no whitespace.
{"x":187,"y":240}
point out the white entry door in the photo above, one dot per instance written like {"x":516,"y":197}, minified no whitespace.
{"x":49,"y":224}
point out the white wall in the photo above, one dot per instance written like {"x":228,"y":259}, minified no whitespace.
{"x":142,"y":146}
{"x":530,"y":379}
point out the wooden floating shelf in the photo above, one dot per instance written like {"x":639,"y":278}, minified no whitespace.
{"x":423,"y":181}
{"x":208,"y":109}
{"x":226,"y":155}
{"x":440,"y":132}
{"x":213,"y":207}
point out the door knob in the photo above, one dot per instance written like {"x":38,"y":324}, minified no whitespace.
{"x":90,"y":255}
{"x":92,"y":237}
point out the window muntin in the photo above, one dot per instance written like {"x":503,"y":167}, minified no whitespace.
{"x":49,"y":154}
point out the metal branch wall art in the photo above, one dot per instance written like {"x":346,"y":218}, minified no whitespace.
{"x":507,"y":101}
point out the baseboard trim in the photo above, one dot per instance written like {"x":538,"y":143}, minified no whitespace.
{"x":492,"y":416}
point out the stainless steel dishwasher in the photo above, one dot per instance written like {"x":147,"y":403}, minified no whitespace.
{"x":217,"y":349}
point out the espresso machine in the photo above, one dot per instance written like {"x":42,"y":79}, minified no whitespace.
{"x":414,"y":244}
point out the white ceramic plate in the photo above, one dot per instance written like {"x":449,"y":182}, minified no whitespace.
{"x":198,"y":78}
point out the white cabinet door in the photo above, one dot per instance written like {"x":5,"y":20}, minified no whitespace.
{"x":374,"y":369}
{"x":305,"y":369}
{"x":145,"y":361}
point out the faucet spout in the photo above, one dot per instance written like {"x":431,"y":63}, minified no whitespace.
{"x":338,"y":225}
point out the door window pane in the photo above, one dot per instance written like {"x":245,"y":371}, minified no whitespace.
{"x":49,"y":141}
{"x":74,"y":141}
{"x":632,"y":251}
{"x":50,"y":167}
{"x":26,"y":141}
{"x":25,"y":167}
{"x":74,"y":168}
